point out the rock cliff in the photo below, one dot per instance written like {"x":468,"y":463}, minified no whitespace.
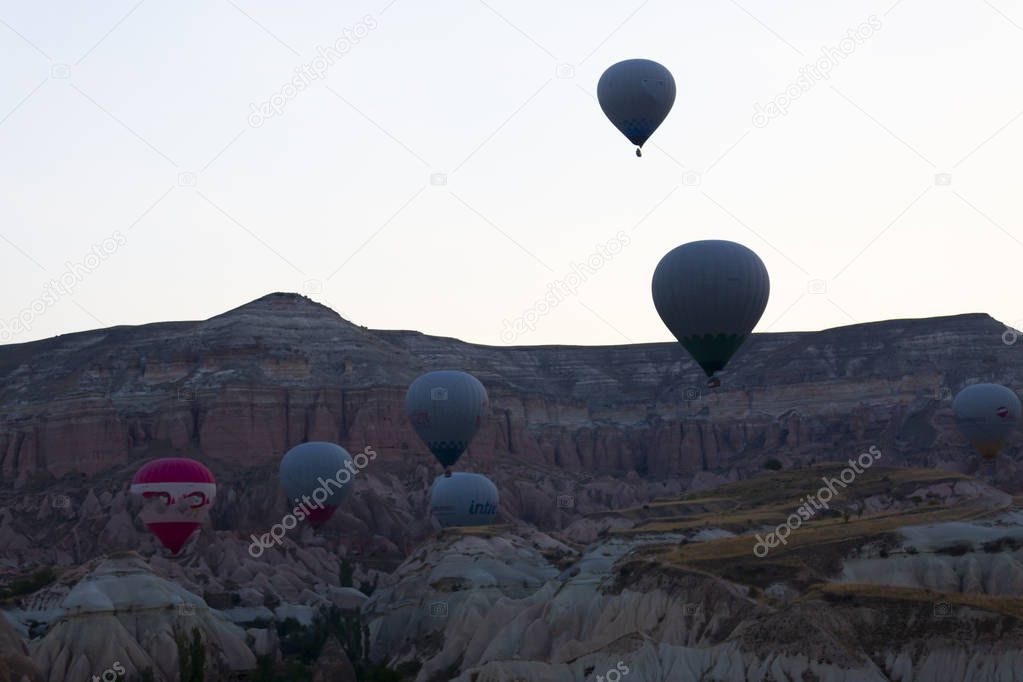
{"x":572,"y":430}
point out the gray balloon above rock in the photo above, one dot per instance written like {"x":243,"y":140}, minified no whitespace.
{"x":636,"y":95}
{"x":986,"y":414}
{"x":321,"y":472}
{"x":711,"y":294}
{"x":446,"y":409}
{"x":464,"y":499}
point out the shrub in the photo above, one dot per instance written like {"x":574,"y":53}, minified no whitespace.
{"x":30,"y":584}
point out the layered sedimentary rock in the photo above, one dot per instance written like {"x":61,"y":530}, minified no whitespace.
{"x":242,"y":386}
{"x":571,"y":429}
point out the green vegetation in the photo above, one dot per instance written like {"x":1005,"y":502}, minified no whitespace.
{"x":866,"y":595}
{"x":346,"y":573}
{"x":301,"y":646}
{"x":191,"y":658}
{"x":28,"y":584}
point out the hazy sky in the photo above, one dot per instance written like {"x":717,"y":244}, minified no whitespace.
{"x":449,"y":163}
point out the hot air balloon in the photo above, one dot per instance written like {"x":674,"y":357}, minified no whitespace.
{"x":446,"y":409}
{"x":187,"y":490}
{"x":986,"y":413}
{"x":710,"y":294}
{"x":463,"y":499}
{"x":636,"y":95}
{"x":318,"y":476}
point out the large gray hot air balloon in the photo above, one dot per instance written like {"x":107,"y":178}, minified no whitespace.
{"x":636,"y":95}
{"x":445,"y":409}
{"x":711,"y":294}
{"x":986,"y":413}
{"x":318,"y":471}
{"x":464,"y":499}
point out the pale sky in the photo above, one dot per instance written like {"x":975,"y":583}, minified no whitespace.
{"x":890,"y":189}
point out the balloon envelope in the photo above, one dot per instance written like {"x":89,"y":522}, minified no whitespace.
{"x":178,"y":493}
{"x":986,"y":413}
{"x":464,"y":499}
{"x":317,"y":470}
{"x":710,"y":294}
{"x":636,"y":95}
{"x":446,"y":409}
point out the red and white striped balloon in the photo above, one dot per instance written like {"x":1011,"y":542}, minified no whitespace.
{"x":188,"y":490}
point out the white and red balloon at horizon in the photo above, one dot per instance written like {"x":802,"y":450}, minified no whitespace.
{"x":177,"y":493}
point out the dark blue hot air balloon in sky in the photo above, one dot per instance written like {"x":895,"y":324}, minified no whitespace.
{"x":710,"y":295}
{"x":446,"y":408}
{"x":636,"y":95}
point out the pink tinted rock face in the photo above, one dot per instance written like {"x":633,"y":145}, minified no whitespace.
{"x":241,"y":388}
